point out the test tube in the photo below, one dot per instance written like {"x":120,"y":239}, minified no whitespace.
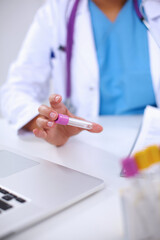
{"x":66,"y":120}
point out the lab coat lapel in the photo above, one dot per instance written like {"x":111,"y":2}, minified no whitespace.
{"x":152,"y":12}
{"x":151,"y":8}
{"x":85,"y":71}
{"x":155,"y":66}
{"x":83,"y":38}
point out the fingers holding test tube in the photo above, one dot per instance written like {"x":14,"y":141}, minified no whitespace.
{"x":70,"y":119}
{"x":80,"y":123}
{"x":56,"y":124}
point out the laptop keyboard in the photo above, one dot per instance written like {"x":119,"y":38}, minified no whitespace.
{"x":9,"y":200}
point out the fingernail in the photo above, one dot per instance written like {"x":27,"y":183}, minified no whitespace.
{"x":57,"y":98}
{"x":53,"y":115}
{"x":50,"y":124}
{"x":99,"y":128}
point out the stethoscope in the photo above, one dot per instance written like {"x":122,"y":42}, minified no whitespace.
{"x":69,"y":47}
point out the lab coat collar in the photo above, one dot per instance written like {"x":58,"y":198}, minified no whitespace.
{"x":82,"y":8}
{"x":151,"y":8}
{"x":83,"y":31}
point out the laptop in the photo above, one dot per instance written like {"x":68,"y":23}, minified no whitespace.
{"x":32,"y":190}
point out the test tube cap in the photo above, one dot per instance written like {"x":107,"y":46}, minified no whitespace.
{"x":129,"y":166}
{"x":62,"y":119}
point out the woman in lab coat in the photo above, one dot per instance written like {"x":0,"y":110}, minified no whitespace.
{"x":114,"y":66}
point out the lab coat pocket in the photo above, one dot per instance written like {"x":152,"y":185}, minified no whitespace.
{"x":58,"y":56}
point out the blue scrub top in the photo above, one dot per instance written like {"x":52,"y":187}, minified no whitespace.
{"x":123,"y":58}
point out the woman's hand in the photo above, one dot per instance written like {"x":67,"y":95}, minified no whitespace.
{"x":54,"y":133}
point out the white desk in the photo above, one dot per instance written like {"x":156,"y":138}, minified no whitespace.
{"x":99,"y":216}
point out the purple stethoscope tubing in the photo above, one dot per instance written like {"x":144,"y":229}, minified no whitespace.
{"x":70,"y":31}
{"x":139,"y":14}
{"x":69,"y":45}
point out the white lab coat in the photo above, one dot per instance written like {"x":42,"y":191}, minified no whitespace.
{"x":28,"y":81}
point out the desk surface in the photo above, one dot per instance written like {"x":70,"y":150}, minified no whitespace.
{"x":98,"y":217}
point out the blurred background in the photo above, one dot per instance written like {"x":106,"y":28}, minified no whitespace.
{"x":15,"y":19}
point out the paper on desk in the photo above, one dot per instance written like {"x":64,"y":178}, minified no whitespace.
{"x":150,"y":129}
